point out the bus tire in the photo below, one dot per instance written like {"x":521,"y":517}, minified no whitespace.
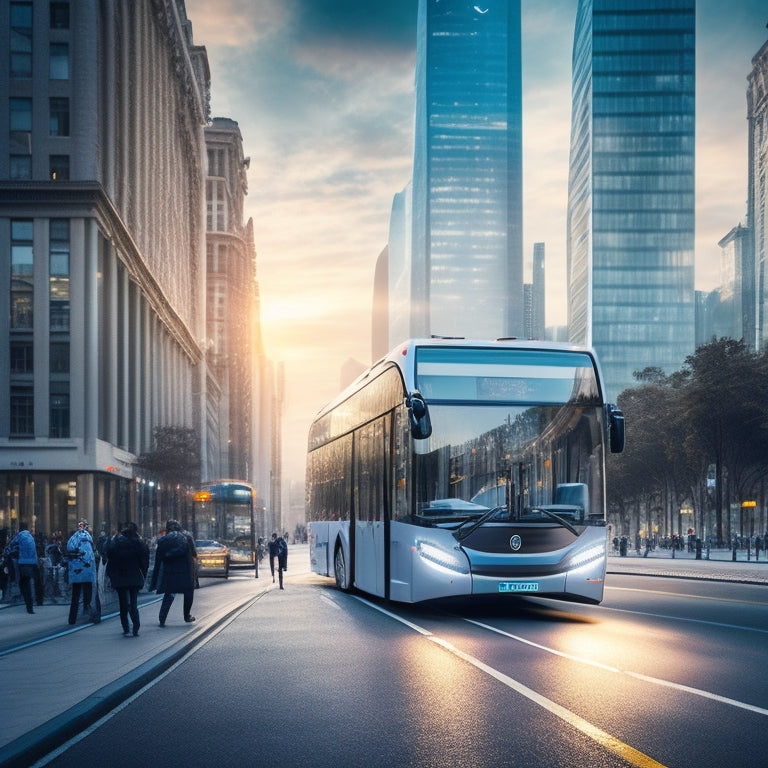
{"x":340,"y":569}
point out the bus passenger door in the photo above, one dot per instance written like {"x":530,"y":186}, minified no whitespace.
{"x":371,"y":502}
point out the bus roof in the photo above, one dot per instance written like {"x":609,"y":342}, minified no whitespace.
{"x":403,"y":356}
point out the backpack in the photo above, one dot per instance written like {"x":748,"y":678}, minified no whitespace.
{"x":177,"y":547}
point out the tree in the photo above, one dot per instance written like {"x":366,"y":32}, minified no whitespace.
{"x":174,"y":462}
{"x":725,"y":413}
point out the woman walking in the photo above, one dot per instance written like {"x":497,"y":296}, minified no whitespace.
{"x":81,"y":570}
{"x":127,"y":564}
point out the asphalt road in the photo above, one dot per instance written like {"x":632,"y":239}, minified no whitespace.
{"x":667,"y":672}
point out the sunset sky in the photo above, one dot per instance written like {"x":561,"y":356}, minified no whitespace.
{"x":323,"y":91}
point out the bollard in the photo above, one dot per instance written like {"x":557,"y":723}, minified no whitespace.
{"x":698,"y":549}
{"x":734,"y":554}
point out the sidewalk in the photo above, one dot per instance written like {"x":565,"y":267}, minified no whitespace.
{"x":719,"y":567}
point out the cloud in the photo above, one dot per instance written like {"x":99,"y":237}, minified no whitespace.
{"x":235,"y":23}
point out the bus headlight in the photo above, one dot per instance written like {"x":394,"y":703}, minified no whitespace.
{"x":453,"y":559}
{"x":585,"y":556}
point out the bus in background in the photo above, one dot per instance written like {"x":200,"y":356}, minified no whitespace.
{"x":456,"y":467}
{"x":224,"y":512}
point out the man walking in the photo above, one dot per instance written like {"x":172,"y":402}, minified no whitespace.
{"x":24,"y":551}
{"x":278,"y":550}
{"x":174,"y":570}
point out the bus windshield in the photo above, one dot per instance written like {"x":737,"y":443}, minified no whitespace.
{"x":529,"y":463}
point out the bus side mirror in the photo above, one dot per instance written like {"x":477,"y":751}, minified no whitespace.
{"x":418,"y":415}
{"x":615,"y":428}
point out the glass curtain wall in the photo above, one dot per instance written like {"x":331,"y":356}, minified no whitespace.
{"x":467,"y":190}
{"x":631,"y":190}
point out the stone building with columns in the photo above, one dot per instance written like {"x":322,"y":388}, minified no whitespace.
{"x":103,"y":108}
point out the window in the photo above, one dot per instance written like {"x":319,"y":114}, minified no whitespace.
{"x":59,"y":409}
{"x":21,"y":115}
{"x":59,"y":15}
{"x":59,"y":274}
{"x":22,"y":411}
{"x":21,"y":357}
{"x":59,"y":61}
{"x":59,"y":119}
{"x":59,"y":167}
{"x":21,"y":40}
{"x":59,"y":359}
{"x":21,"y":274}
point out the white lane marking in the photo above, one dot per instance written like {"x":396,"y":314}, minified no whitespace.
{"x":637,"y":675}
{"x":688,"y":620}
{"x":544,"y":647}
{"x":618,"y":747}
{"x":711,"y":598}
{"x":699,"y":692}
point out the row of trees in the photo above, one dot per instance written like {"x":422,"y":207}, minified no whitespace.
{"x":706,"y":422}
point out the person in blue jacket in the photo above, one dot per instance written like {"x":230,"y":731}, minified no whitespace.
{"x":81,"y":570}
{"x":24,"y":551}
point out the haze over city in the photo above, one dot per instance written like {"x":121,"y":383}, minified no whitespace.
{"x":324,"y":95}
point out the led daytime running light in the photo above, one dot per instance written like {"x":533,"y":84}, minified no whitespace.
{"x":441,"y":557}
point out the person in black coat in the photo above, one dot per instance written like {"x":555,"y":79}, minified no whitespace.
{"x":127,"y":564}
{"x":174,"y":570}
{"x":278,"y":550}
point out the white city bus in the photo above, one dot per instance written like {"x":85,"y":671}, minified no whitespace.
{"x":456,"y":467}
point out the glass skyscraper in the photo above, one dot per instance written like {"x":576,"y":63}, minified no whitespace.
{"x":631,"y":185}
{"x":466,"y":276}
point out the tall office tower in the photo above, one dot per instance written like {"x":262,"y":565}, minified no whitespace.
{"x":538,"y":308}
{"x":757,"y":193}
{"x":466,"y":258}
{"x":102,"y":244}
{"x":241,"y":420}
{"x":631,"y":187}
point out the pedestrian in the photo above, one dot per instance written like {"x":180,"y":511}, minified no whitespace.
{"x":24,"y":552}
{"x":278,"y":550}
{"x":174,"y":571}
{"x":81,"y":562}
{"x":127,"y":559}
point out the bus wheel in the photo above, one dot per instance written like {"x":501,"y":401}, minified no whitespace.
{"x":340,"y":569}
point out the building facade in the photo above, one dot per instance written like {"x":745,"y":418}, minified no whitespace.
{"x":538,"y":321}
{"x":631,"y":185}
{"x":463,"y":251}
{"x":102,"y":242}
{"x":241,"y":386}
{"x":757,"y":192}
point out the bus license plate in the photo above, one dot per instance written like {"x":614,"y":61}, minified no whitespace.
{"x":519,"y":586}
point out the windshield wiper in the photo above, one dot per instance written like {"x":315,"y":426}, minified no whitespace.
{"x":558,"y":519}
{"x":460,"y":535}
